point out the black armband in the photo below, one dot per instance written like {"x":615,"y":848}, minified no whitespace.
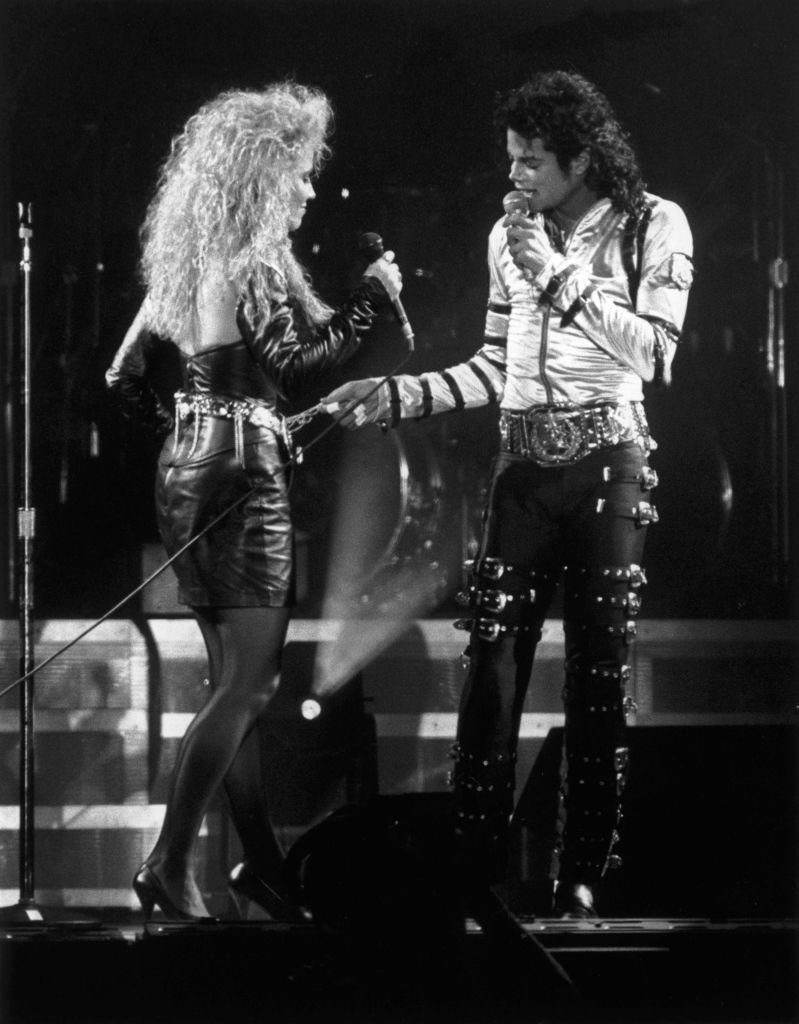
{"x":660,"y":360}
{"x":483,"y":378}
{"x":455,"y":391}
{"x":662,"y":330}
{"x":427,"y":397}
{"x":395,"y":403}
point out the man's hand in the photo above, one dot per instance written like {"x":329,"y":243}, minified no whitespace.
{"x":352,"y":405}
{"x":528,"y":243}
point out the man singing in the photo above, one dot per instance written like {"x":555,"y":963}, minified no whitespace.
{"x":588,"y":285}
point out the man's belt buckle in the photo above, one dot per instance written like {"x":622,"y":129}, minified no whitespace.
{"x":556,"y":439}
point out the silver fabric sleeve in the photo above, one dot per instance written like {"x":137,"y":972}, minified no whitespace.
{"x":468,"y":385}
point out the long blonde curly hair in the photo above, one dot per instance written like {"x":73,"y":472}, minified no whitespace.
{"x":223,"y":200}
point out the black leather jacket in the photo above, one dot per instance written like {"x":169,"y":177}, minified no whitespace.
{"x":274,"y":358}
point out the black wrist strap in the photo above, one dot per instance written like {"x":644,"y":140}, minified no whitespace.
{"x":553,"y":286}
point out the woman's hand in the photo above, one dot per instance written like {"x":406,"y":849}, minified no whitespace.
{"x":354,"y":404}
{"x":387,"y":273}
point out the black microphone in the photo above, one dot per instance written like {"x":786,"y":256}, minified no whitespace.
{"x":516,"y":202}
{"x":371,"y":246}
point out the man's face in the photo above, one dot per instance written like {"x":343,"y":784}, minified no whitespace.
{"x":536,"y":171}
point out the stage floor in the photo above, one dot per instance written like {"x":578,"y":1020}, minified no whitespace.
{"x":113,"y":969}
{"x":710,"y":842}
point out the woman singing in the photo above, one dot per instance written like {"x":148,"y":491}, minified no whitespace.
{"x":223,"y":284}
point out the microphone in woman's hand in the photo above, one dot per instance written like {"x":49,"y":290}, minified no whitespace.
{"x":371,"y":246}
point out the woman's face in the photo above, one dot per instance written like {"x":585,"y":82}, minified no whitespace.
{"x":302,"y":191}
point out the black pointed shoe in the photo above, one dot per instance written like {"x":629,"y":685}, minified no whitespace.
{"x":246,"y":886}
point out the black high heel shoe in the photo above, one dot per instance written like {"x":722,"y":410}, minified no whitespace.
{"x":151,"y":893}
{"x":246,"y":886}
{"x":574,"y":901}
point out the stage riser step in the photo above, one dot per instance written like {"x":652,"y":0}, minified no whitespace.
{"x":100,"y":768}
{"x":678,"y":666}
{"x":111,"y":711}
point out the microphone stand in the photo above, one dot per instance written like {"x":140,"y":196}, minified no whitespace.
{"x":26,"y":911}
{"x":776,"y":377}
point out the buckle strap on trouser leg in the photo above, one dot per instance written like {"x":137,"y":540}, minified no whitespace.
{"x":483,"y":795}
{"x":596,"y":764}
{"x":647,"y":478}
{"x":643,"y":512}
{"x":503,"y":595}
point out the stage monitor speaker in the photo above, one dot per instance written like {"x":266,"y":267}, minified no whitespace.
{"x":385,"y":879}
{"x":709,"y":827}
{"x":389,"y":860}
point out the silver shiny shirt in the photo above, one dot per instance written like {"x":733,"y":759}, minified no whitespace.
{"x":588,"y":343}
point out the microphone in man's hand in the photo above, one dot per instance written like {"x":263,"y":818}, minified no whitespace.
{"x":370,"y":245}
{"x":516,"y":202}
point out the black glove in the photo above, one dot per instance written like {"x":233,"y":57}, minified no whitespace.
{"x":127,"y":378}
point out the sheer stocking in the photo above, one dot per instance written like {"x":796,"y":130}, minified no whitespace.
{"x":244,"y":650}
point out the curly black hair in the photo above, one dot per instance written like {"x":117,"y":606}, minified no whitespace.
{"x":569,"y":114}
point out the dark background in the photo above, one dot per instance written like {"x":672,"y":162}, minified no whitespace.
{"x":92,"y":92}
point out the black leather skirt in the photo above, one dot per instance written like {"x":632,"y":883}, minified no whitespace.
{"x":247,"y":558}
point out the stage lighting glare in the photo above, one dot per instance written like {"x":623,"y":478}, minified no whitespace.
{"x":310,"y":709}
{"x":365,"y":632}
{"x":384,"y":572}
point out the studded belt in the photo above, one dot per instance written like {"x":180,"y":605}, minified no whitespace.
{"x":239,"y":410}
{"x":560,"y":435}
